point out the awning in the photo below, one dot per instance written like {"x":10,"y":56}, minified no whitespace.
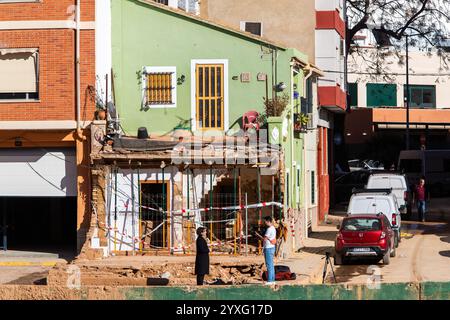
{"x":18,"y":70}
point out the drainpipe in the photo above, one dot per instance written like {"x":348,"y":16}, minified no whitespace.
{"x":305,"y":159}
{"x":77,"y":71}
{"x":308,"y":67}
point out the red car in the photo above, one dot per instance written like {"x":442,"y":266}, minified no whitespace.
{"x":365,"y":236}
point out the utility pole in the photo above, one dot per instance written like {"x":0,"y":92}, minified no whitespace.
{"x":347,"y":94}
{"x":407,"y":93}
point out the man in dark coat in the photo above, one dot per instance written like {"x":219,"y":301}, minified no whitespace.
{"x":202,"y":256}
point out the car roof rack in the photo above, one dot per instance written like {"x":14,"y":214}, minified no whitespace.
{"x":386,"y":191}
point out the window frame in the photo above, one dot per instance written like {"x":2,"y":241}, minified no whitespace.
{"x":194,"y":63}
{"x":28,"y":94}
{"x":152,"y":69}
{"x":313,"y":187}
{"x":353,"y":88}
{"x":243,"y":27}
{"x":420,"y":87}
{"x":394,"y":103}
{"x":19,"y":1}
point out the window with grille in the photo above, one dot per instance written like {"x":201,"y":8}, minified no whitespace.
{"x":313,"y":187}
{"x":159,"y":86}
{"x":210,"y":92}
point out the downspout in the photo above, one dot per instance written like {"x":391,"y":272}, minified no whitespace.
{"x":292,"y":170}
{"x":308,"y":67}
{"x":305,"y":158}
{"x":77,"y":72}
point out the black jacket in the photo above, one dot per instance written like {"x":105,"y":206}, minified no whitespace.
{"x":202,"y":257}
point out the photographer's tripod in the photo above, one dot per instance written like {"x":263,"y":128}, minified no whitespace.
{"x":325,"y":267}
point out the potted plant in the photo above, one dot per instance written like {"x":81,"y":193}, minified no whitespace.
{"x":300,"y":122}
{"x":100,"y":106}
{"x":274,"y":108}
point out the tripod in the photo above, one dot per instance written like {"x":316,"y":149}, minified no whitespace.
{"x":325,"y":267}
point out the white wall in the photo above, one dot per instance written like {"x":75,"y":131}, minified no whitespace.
{"x":419,"y":63}
{"x":103,"y":56}
{"x":328,"y":57}
{"x":125,"y":217}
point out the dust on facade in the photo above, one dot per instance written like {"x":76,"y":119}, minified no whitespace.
{"x":209,"y":121}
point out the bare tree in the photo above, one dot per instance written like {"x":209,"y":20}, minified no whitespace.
{"x":391,"y":20}
{"x":427,"y":22}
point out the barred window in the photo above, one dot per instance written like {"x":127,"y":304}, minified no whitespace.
{"x":160,"y":86}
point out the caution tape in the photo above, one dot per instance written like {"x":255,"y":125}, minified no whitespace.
{"x":182,"y":212}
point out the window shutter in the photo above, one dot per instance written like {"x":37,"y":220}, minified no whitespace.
{"x":18,"y":70}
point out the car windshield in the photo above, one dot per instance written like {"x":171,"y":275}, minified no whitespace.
{"x":361,"y":224}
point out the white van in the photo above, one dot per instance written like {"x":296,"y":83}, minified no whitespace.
{"x":399,"y":185}
{"x":434,"y":165}
{"x":374,"y":201}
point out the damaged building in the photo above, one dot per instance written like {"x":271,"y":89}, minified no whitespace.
{"x":208,"y":131}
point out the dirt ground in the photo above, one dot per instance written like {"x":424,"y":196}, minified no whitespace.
{"x":137,"y":270}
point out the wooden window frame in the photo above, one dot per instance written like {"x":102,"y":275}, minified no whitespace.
{"x":149,"y":70}
{"x":167,"y":232}
{"x":225,"y":88}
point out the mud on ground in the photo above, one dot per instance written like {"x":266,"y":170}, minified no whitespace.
{"x":180,"y":274}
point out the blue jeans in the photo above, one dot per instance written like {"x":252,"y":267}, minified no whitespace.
{"x":268,"y":256}
{"x":421,"y":209}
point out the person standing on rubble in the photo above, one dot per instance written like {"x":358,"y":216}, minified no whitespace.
{"x":202,"y":256}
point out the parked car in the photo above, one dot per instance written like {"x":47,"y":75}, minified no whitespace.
{"x":357,"y":164}
{"x":399,"y":185}
{"x":374,"y":201}
{"x":365,"y":236}
{"x":434,"y":165}
{"x":344,"y":184}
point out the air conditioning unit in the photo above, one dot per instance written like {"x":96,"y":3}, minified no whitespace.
{"x":312,"y":121}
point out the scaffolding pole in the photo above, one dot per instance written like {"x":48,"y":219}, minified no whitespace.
{"x":211,"y":201}
{"x":259,"y":210}
{"x":115,"y":207}
{"x":236,"y":213}
{"x":188,"y":207}
{"x":140,"y":202}
{"x":133,"y":222}
{"x":246,"y":225}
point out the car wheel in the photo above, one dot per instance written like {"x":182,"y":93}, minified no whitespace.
{"x":338,"y":260}
{"x":386,"y":257}
{"x":393,"y":253}
{"x":396,"y":240}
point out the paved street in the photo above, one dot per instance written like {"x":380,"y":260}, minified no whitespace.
{"x":423,"y":254}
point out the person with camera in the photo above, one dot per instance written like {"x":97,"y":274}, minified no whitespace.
{"x":269,"y":241}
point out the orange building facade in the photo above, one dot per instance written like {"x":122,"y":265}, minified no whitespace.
{"x":47,"y":54}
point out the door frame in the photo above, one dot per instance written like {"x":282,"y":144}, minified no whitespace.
{"x":167,"y":236}
{"x":194,"y":63}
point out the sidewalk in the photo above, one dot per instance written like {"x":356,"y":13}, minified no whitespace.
{"x":309,"y":262}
